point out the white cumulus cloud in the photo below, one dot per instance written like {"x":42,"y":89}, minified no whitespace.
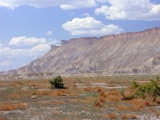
{"x":55,"y":42}
{"x":49,"y":33}
{"x":26,"y":41}
{"x":5,"y":63}
{"x":75,"y":4}
{"x":130,"y":9}
{"x":64,"y":4}
{"x":35,"y":51}
{"x":39,"y":47}
{"x":90,"y":26}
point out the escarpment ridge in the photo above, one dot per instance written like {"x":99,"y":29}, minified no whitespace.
{"x":129,"y":35}
{"x":124,"y":53}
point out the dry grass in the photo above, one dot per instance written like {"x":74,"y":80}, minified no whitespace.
{"x":39,"y":85}
{"x":129,"y":116}
{"x":99,"y":89}
{"x":121,"y":107}
{"x":15,"y":95}
{"x":3,"y":118}
{"x":55,"y":93}
{"x":106,"y":97}
{"x":20,"y":94}
{"x":129,"y":91}
{"x":158,"y":100}
{"x":142,"y":102}
{"x":89,"y":100}
{"x":135,"y":108}
{"x":105,"y":116}
{"x":14,"y":84}
{"x":59,"y":102}
{"x":12,"y":106}
{"x":110,"y":85}
{"x":139,"y":104}
{"x":113,"y":96}
{"x":113,"y":116}
{"x":26,"y":83}
{"x":43,"y":102}
{"x":93,"y":89}
{"x":99,"y":104}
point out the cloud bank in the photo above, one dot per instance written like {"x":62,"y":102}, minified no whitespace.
{"x":31,"y":47}
{"x":130,"y":9}
{"x":29,"y":52}
{"x":90,"y":26}
{"x":26,"y":41}
{"x":111,"y":9}
{"x":64,"y":4}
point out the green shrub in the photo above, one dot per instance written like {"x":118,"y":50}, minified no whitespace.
{"x":149,"y":89}
{"x":157,"y":78}
{"x":57,"y":82}
{"x":134,"y":85}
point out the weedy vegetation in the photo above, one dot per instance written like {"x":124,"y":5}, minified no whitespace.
{"x":80,"y":98}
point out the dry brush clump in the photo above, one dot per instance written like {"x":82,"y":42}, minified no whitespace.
{"x":75,"y":89}
{"x":12,"y":106}
{"x":113,"y":115}
{"x":113,"y":96}
{"x":129,"y":116}
{"x":139,"y":104}
{"x":106,"y":97}
{"x":15,"y":95}
{"x":61,"y":92}
{"x":158,"y":100}
{"x":130,"y":96}
{"x":98,"y":104}
{"x":20,"y":94}
{"x":93,"y":89}
{"x":135,"y":105}
{"x":121,"y":107}
{"x":142,"y":102}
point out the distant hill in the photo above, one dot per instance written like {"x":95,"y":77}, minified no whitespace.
{"x":125,"y":53}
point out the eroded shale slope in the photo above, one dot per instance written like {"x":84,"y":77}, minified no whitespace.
{"x":125,"y":53}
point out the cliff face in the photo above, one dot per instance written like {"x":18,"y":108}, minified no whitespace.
{"x":117,"y":54}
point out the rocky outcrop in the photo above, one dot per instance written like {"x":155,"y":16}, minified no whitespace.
{"x":124,"y":53}
{"x":63,"y":42}
{"x":53,"y":47}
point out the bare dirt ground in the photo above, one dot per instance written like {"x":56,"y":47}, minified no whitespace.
{"x":97,"y":98}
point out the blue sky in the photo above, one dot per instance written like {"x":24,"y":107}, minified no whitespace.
{"x":29,"y":27}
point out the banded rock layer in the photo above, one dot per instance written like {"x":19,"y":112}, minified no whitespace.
{"x":124,"y":53}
